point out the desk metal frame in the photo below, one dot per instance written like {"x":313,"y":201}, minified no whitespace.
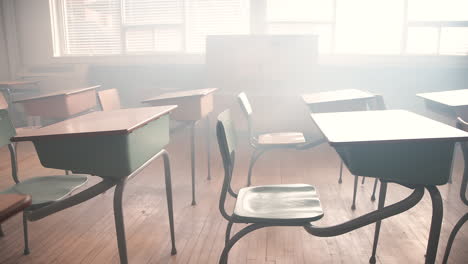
{"x":119,"y":184}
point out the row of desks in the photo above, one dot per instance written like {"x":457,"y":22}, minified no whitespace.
{"x":114,"y":145}
{"x":393,"y":145}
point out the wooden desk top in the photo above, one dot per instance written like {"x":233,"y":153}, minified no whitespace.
{"x":55,"y":93}
{"x":16,"y":84}
{"x":117,"y":122}
{"x":11,"y":204}
{"x":333,"y":96}
{"x":450,"y":98}
{"x":347,"y":128}
{"x":181,"y":94}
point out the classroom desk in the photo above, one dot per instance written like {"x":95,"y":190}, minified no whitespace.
{"x":193,"y":105}
{"x":114,"y":145}
{"x":394,"y":146}
{"x":61,"y":104}
{"x":452,"y":103}
{"x":337,"y":101}
{"x":11,"y":204}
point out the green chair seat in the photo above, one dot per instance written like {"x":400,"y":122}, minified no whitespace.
{"x":47,"y":189}
{"x":281,"y":138}
{"x":286,"y":203}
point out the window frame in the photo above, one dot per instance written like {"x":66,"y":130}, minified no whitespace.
{"x":258,"y":25}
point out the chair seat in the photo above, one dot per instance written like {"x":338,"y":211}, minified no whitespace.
{"x":283,"y":138}
{"x":288,"y":203}
{"x":47,"y":189}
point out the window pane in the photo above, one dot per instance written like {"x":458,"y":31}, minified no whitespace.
{"x":422,"y":40}
{"x":91,"y":27}
{"x":324,"y":32}
{"x":167,"y":40}
{"x":454,"y":41}
{"x":214,"y":17}
{"x":144,"y":12}
{"x":369,"y":26}
{"x":299,"y":10}
{"x":139,"y":40}
{"x":438,"y":10}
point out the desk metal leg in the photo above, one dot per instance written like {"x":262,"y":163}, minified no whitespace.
{"x":118,"y":210}
{"x":436,"y":224}
{"x":356,"y":178}
{"x":375,"y":188}
{"x":170,"y":210}
{"x":453,"y":162}
{"x":192,"y":159}
{"x":119,"y":221}
{"x":341,"y":172}
{"x":382,"y":195}
{"x":208,"y":143}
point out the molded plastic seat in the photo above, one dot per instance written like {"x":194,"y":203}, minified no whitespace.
{"x":285,"y":203}
{"x":282,"y":138}
{"x":48,"y":189}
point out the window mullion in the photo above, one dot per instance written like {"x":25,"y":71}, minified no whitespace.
{"x":123,"y":32}
{"x":184,"y":30}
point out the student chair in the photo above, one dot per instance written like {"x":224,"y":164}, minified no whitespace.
{"x":109,"y":99}
{"x":270,"y":141}
{"x":260,"y":206}
{"x":44,"y":189}
{"x":463,"y":125}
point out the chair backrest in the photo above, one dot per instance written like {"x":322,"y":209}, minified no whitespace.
{"x":7,"y":130}
{"x":463,"y":125}
{"x":109,"y":99}
{"x":247,"y":110}
{"x":3,"y":102}
{"x":227,"y":142}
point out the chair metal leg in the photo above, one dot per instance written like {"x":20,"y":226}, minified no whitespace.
{"x":170,"y":210}
{"x":208,"y":146}
{"x":119,"y":221}
{"x":228,"y":233}
{"x":25,"y":233}
{"x":452,"y":236}
{"x":436,"y":224}
{"x":341,"y":172}
{"x":382,"y":194}
{"x":2,"y":234}
{"x":375,"y":188}
{"x":192,"y":159}
{"x":255,"y":155}
{"x":14,"y":162}
{"x":235,"y":238}
{"x":363,"y":179}
{"x":353,"y":206}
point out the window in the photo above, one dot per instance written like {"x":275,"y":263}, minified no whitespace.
{"x":375,"y":26}
{"x":113,"y":27}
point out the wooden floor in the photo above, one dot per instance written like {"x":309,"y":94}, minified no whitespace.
{"x":86,"y":234}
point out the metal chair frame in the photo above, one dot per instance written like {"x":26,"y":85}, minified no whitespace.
{"x":261,"y":149}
